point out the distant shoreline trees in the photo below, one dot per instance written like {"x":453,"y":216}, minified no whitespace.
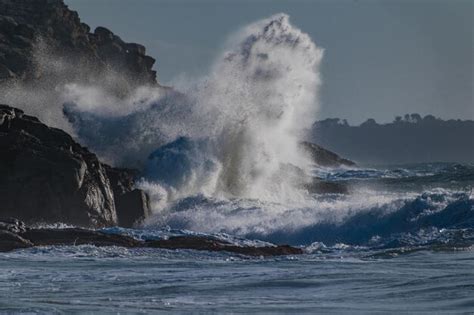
{"x":407,"y":139}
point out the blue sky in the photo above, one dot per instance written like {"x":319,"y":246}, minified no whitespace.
{"x":382,"y":58}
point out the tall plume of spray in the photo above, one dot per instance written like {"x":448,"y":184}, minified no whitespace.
{"x":240,"y":124}
{"x":260,"y":93}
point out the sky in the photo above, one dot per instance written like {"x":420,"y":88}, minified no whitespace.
{"x":381,"y":58}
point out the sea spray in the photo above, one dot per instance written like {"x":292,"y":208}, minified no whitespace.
{"x":233,"y":133}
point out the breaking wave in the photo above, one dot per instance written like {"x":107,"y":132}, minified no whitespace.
{"x":220,"y":154}
{"x":231,"y":134}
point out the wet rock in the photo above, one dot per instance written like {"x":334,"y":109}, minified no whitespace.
{"x":132,"y":205}
{"x":48,"y":177}
{"x":210,"y":244}
{"x":324,"y":157}
{"x":78,"y":236}
{"x":10,"y":241}
{"x":28,"y":237}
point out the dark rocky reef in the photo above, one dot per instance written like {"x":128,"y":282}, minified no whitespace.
{"x":216,"y":245}
{"x":15,"y":235}
{"x":324,"y":157}
{"x":31,"y":27}
{"x":48,"y":177}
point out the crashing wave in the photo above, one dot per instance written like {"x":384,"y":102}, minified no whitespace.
{"x":242,"y":122}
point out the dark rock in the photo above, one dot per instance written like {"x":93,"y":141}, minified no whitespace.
{"x":210,"y":244}
{"x":323,"y":157}
{"x":12,"y":225}
{"x":48,"y":177}
{"x":132,"y":205}
{"x":10,"y":241}
{"x":29,"y":25}
{"x":78,"y":236}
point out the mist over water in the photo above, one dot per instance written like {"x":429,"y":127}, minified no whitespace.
{"x":231,"y":134}
{"x":220,"y":154}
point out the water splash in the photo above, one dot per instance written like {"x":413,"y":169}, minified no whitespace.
{"x":232,"y":133}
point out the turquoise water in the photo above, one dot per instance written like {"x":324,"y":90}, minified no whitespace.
{"x":410,"y":252}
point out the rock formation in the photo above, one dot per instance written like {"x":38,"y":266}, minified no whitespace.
{"x":48,"y":177}
{"x":12,"y":237}
{"x":30,"y":29}
{"x":127,"y":196}
{"x":324,"y":157}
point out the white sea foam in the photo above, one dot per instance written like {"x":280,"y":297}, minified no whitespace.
{"x":241,"y":122}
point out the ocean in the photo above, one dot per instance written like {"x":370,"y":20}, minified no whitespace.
{"x":401,"y":241}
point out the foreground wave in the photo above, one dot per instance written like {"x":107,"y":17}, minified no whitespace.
{"x":406,"y":252}
{"x":110,"y":280}
{"x":368,"y":219}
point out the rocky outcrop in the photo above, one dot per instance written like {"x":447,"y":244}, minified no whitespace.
{"x":128,"y":197}
{"x":48,"y":177}
{"x":10,"y":241}
{"x":31,"y":28}
{"x":324,"y":157}
{"x":29,"y":237}
{"x":9,"y":235}
{"x":216,"y":245}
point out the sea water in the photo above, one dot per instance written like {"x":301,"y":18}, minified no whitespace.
{"x":412,"y":252}
{"x":220,"y":156}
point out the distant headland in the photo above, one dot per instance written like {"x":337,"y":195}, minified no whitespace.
{"x":408,"y":139}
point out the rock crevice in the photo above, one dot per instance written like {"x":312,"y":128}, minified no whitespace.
{"x":48,"y":177}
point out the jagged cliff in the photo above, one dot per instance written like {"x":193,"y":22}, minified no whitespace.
{"x":48,"y":177}
{"x":30,"y":29}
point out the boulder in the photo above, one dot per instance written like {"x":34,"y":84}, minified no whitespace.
{"x":211,"y":244}
{"x":324,"y":157}
{"x":48,"y":177}
{"x":29,"y":237}
{"x":10,"y":241}
{"x":12,"y":225}
{"x":132,"y":205}
{"x":78,"y":236}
